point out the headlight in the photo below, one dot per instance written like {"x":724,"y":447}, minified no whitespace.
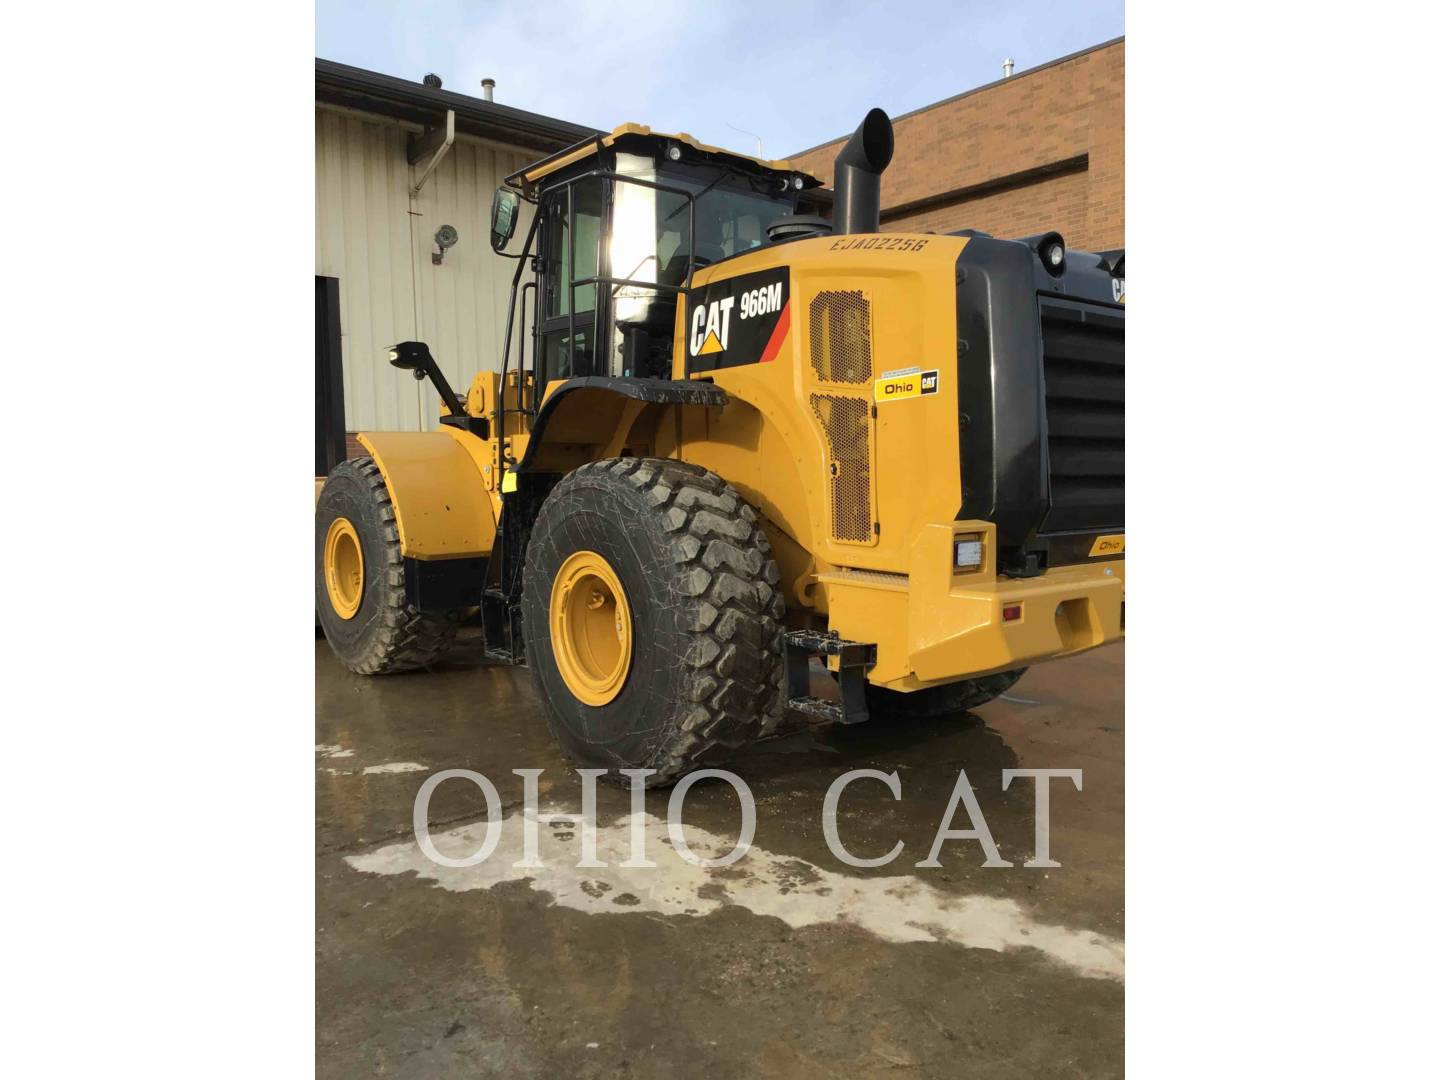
{"x":969,"y":551}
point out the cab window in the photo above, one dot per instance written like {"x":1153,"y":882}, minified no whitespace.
{"x":562,"y":357}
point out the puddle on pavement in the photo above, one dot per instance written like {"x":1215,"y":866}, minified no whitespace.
{"x":896,"y":909}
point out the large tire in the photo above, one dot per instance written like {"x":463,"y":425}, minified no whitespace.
{"x":948,"y":700}
{"x":386,"y":634}
{"x":706,"y":669}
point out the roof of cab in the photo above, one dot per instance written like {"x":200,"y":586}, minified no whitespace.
{"x":528,"y":176}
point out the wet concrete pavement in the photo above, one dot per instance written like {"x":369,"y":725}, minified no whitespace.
{"x":423,"y":972}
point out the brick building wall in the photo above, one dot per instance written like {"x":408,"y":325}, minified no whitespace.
{"x":1043,"y":149}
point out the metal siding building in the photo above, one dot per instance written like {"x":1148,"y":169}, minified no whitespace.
{"x":375,"y":234}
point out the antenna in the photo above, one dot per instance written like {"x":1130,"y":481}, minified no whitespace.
{"x":759,"y":143}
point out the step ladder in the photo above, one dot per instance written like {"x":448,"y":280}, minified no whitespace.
{"x":856,"y":658}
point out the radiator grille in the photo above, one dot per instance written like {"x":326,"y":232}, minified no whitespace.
{"x":846,"y":421}
{"x":1084,"y":356}
{"x":840,"y":336}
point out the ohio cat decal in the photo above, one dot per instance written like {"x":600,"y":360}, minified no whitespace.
{"x":905,"y":384}
{"x":741,"y":320}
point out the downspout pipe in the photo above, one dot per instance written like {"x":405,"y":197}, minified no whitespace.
{"x":439,"y":154}
{"x":857,"y":174}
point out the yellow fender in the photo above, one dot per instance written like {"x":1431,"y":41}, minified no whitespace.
{"x":442,"y":509}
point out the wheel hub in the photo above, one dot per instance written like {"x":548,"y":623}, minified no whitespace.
{"x":590,"y":628}
{"x":344,"y":568}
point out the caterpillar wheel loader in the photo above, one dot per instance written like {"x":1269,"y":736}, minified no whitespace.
{"x":728,"y":438}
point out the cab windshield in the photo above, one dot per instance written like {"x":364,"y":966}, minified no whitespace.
{"x":732,"y":212}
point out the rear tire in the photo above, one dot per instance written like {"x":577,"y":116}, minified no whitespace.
{"x":704,"y":668}
{"x":951,"y":699}
{"x":385,"y":634}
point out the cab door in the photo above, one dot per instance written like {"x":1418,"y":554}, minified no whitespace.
{"x":571,"y":227}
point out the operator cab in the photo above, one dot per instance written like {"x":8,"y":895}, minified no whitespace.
{"x":622,"y":222}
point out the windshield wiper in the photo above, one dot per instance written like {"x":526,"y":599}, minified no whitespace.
{"x":704,"y":191}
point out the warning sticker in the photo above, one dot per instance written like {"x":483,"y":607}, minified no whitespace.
{"x":900,"y":386}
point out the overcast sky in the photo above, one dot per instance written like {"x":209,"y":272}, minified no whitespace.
{"x":795,"y":73}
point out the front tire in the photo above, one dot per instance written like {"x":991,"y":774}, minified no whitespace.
{"x":670,"y":556}
{"x":948,"y":700}
{"x":360,"y":579}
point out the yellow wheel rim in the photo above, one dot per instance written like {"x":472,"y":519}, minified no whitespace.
{"x":590,"y":628}
{"x":344,"y":568}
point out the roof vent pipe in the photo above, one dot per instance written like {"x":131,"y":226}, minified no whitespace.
{"x":432,"y":80}
{"x":487,"y":89}
{"x":1008,"y":67}
{"x":857,"y":174}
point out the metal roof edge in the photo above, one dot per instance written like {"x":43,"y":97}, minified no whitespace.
{"x":344,"y":84}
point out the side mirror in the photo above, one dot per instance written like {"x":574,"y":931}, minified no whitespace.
{"x":414,"y":357}
{"x":504,"y":213}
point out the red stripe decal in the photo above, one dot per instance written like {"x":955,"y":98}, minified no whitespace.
{"x":777,"y":336}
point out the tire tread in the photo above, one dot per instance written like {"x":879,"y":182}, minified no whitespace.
{"x":725,"y":582}
{"x":407,"y":639}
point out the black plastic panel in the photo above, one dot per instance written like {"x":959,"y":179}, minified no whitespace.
{"x":1001,"y":419}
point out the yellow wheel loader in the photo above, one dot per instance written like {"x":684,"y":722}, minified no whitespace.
{"x":727,"y":438}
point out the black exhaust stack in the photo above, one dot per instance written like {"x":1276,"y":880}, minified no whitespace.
{"x":857,"y":174}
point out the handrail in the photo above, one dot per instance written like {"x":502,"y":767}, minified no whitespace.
{"x":525,"y":291}
{"x":505,"y":354}
{"x":598,"y":140}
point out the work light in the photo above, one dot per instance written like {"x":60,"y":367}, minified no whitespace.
{"x":1050,"y":247}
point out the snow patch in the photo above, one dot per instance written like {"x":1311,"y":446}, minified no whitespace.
{"x":897,"y":909}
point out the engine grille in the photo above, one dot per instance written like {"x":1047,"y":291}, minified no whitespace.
{"x":1084,"y":364}
{"x":846,"y":421}
{"x":840,"y":336}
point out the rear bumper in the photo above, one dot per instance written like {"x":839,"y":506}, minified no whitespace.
{"x":934,"y":626}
